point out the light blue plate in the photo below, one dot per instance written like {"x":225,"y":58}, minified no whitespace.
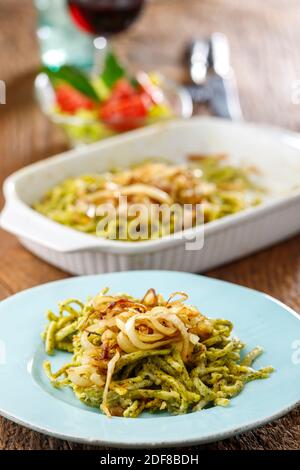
{"x":27,"y":398}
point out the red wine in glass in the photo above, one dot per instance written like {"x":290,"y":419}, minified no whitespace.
{"x":104,"y":17}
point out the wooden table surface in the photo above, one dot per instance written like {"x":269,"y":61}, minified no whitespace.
{"x":265,"y":39}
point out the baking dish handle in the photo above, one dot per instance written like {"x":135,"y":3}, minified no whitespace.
{"x":23,"y":222}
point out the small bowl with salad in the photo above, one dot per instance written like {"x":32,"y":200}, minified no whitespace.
{"x":92,"y":107}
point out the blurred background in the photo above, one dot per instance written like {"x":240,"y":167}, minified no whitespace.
{"x":263,"y":38}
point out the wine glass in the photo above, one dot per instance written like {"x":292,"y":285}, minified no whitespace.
{"x":103,"y":18}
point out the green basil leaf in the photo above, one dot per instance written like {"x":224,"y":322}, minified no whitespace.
{"x":74,"y":77}
{"x":112,"y":70}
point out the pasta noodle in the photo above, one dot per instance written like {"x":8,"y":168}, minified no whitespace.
{"x":82,"y":203}
{"x":131,"y":355}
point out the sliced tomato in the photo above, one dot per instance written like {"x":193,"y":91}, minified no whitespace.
{"x":125,"y":113}
{"x":122,"y":89}
{"x":71,"y":100}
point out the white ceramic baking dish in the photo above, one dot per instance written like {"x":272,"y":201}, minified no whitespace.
{"x":276,"y":153}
